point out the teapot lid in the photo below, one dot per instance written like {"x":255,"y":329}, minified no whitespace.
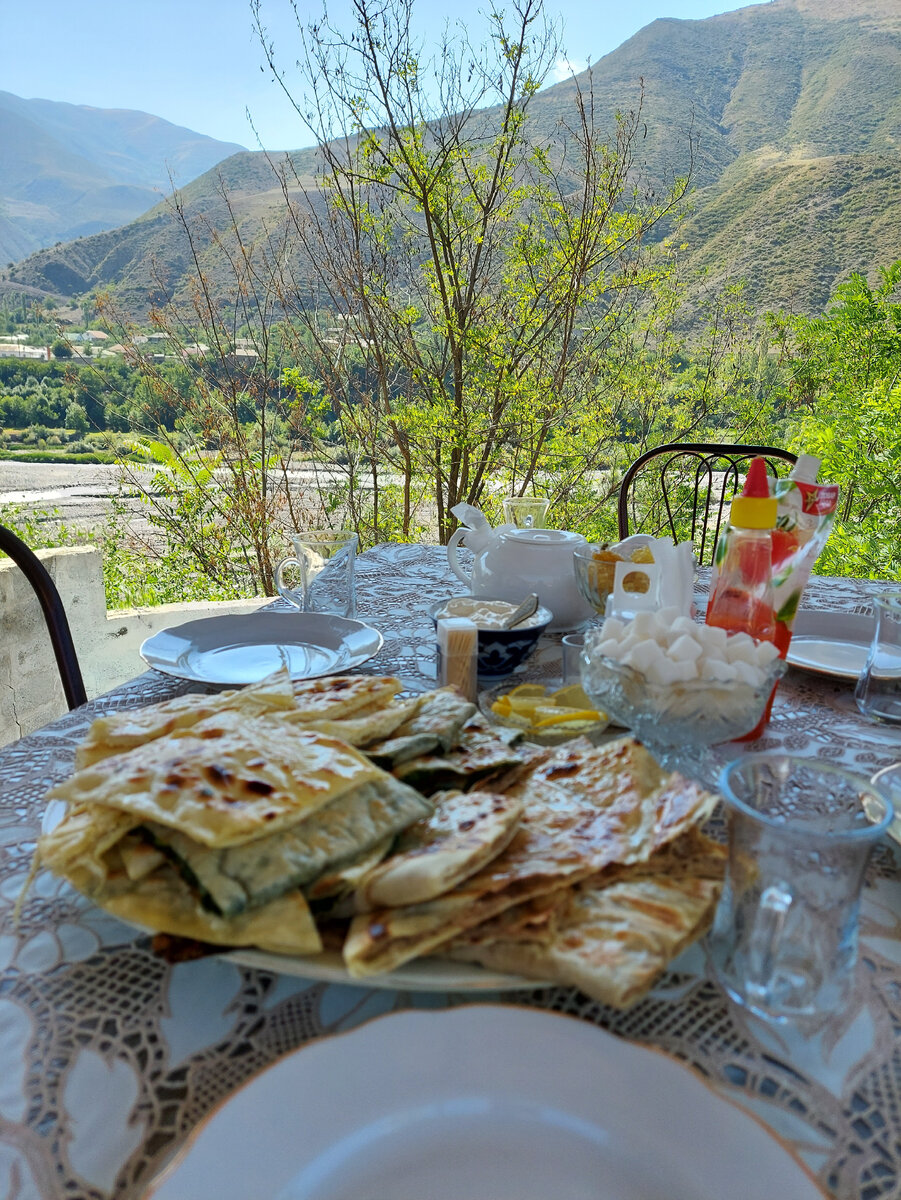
{"x":544,"y":537}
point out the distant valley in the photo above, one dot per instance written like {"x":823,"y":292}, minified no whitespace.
{"x":69,"y":171}
{"x":795,"y":104}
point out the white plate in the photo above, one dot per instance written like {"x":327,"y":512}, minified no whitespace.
{"x":482,"y":1102}
{"x":418,"y":975}
{"x":831,"y":643}
{"x":236,"y":650}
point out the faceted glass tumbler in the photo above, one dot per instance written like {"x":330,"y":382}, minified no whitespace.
{"x":784,"y":940}
{"x":878,"y":691}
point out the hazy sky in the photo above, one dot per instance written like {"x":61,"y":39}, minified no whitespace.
{"x":198,"y":62}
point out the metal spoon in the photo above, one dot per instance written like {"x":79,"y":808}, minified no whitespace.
{"x":524,"y":610}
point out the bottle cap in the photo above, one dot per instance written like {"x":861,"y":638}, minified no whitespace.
{"x":755,"y":508}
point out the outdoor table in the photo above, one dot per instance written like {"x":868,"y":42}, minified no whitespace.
{"x":109,"y":1056}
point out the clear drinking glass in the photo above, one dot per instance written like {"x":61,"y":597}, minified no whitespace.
{"x":784,"y":940}
{"x":324,"y":560}
{"x":526,"y":512}
{"x":878,"y":691}
{"x":572,"y":646}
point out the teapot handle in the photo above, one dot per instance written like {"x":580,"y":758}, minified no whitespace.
{"x":456,"y":538}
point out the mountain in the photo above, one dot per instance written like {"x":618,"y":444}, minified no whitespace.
{"x":68,"y":171}
{"x":795,"y":108}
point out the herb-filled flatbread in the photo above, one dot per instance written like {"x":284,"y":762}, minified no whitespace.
{"x":339,"y":697}
{"x":585,"y":807}
{"x":234,"y":878}
{"x":437,"y":723}
{"x":226,"y":780}
{"x":163,"y":902}
{"x":480,"y":752}
{"x":210,"y":831}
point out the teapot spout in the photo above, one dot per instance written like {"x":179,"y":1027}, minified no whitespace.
{"x":470,"y":516}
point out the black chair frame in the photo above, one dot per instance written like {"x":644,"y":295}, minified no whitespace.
{"x":54,"y":615}
{"x":708,"y":456}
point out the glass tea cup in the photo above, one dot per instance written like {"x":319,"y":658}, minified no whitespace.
{"x":324,"y":560}
{"x":526,"y":512}
{"x":878,"y":691}
{"x":784,"y":939}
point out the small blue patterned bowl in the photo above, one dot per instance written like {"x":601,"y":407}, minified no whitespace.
{"x":502,"y":650}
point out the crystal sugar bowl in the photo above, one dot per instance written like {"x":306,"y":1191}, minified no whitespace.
{"x":674,"y":683}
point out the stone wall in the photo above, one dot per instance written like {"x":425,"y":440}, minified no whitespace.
{"x":107,"y":643}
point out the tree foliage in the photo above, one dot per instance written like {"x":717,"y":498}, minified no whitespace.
{"x":477,"y":299}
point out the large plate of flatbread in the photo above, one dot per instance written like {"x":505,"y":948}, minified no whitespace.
{"x":337,"y":829}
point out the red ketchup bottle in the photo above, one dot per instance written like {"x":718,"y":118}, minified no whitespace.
{"x":742,"y":597}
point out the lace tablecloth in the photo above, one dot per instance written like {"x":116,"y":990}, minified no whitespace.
{"x":109,"y":1056}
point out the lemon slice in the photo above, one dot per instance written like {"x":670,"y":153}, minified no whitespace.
{"x":527,"y":689}
{"x":546,"y":715}
{"x":571,"y":696}
{"x":525,"y":705}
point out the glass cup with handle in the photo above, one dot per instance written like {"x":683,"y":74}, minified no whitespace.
{"x":324,"y":561}
{"x":878,"y":691}
{"x":526,"y":512}
{"x":784,"y":939}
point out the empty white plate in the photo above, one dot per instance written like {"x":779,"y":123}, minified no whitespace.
{"x":240,"y":649}
{"x":485,"y":1102}
{"x":831,"y":643}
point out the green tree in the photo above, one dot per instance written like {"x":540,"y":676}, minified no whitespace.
{"x":77,"y":418}
{"x":476,"y":289}
{"x":845,"y":391}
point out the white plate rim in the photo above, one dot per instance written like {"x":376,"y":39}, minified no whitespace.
{"x":239,"y":621}
{"x":826,"y":625}
{"x":553,"y":1026}
{"x":427,"y":974}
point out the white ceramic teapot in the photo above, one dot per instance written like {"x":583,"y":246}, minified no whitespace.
{"x":510,"y":563}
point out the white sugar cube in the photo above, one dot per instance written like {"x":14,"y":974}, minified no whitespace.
{"x":660,"y":671}
{"x":719,"y":670}
{"x":685,"y":649}
{"x":609,"y":647}
{"x":714,"y":639}
{"x":741,"y":648}
{"x":686,"y":670}
{"x":667,"y":672}
{"x":646,"y":653}
{"x":612,"y":628}
{"x":766,"y":652}
{"x":685,"y":625}
{"x":643,"y":625}
{"x":668,"y":616}
{"x":748,"y":673}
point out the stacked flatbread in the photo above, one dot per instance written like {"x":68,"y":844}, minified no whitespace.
{"x":412,"y":823}
{"x":205,"y":816}
{"x":603,"y":882}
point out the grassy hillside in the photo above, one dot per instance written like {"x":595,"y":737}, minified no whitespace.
{"x":796,"y":112}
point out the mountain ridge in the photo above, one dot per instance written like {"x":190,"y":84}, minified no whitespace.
{"x":796,"y":173}
{"x":69,"y":171}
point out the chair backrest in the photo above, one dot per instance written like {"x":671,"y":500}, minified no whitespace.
{"x":692,"y":486}
{"x":54,"y":614}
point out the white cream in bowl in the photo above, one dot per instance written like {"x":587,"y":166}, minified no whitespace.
{"x":487,"y":614}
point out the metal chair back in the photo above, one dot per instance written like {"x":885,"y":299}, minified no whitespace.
{"x":694,"y":483}
{"x":54,"y":615}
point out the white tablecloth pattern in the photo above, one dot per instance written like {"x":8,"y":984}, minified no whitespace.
{"x":109,"y":1056}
